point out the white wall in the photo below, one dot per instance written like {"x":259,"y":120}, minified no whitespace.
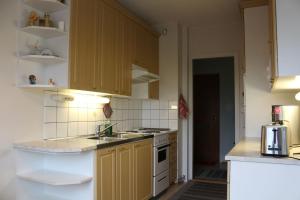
{"x":168,"y":62}
{"x":258,"y":98}
{"x":206,"y":42}
{"x":21,"y":112}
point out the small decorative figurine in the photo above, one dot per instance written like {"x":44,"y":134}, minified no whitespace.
{"x":46,"y":52}
{"x":34,"y":48}
{"x":47,"y":19}
{"x":51,"y":81}
{"x":32,"y":79}
{"x":32,"y":19}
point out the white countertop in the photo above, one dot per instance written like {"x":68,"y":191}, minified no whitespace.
{"x":74,"y":145}
{"x":248,"y":150}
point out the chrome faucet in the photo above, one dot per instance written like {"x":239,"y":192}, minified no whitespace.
{"x":100,"y":133}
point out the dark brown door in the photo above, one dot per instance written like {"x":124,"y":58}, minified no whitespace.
{"x":206,"y":119}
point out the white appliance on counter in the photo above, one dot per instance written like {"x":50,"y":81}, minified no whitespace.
{"x":161,"y":147}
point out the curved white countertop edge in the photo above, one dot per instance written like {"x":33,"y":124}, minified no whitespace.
{"x":248,"y":150}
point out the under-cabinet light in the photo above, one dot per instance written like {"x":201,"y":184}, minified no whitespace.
{"x":297,"y":96}
{"x":62,"y":98}
{"x":90,"y":99}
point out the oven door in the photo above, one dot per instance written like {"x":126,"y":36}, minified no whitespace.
{"x":161,"y":159}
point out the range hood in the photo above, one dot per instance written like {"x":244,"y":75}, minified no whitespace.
{"x":141,"y":75}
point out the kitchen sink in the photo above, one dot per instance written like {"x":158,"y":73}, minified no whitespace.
{"x":117,"y":137}
{"x":107,"y":139}
{"x":129,"y":135}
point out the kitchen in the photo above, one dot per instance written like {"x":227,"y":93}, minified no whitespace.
{"x":49,"y":111}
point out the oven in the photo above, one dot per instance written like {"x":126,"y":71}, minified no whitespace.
{"x":161,"y":159}
{"x":160,"y":163}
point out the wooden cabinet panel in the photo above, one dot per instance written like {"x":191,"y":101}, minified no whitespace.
{"x":141,"y":46}
{"x":106,"y":174}
{"x":154,"y":90}
{"x":104,"y":43}
{"x":108,"y":73}
{"x":173,"y":157}
{"x":143,"y":157}
{"x":124,"y":187}
{"x":82,"y":45}
{"x":126,"y":38}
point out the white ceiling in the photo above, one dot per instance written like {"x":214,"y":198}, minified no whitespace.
{"x":186,"y":12}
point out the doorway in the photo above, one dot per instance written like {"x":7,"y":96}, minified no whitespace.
{"x":213,"y":116}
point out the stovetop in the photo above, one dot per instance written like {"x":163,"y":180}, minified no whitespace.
{"x":150,"y":130}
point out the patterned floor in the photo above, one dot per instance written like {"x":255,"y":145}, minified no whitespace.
{"x":202,"y":191}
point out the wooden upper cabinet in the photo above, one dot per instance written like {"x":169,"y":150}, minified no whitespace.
{"x":285,"y":17}
{"x":107,"y":49}
{"x":82,"y":45}
{"x":106,"y":174}
{"x":146,"y":49}
{"x":126,"y":51}
{"x":105,"y":40}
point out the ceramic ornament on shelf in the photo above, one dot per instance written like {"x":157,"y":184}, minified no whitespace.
{"x":32,"y":79}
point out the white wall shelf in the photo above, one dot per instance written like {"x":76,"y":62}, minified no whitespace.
{"x":46,"y":5}
{"x":54,"y":178}
{"x":44,"y":32}
{"x":38,"y":86}
{"x":45,"y":197}
{"x":46,"y":60}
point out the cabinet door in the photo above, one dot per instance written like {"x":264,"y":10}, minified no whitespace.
{"x":106,"y":171}
{"x":125,"y":38}
{"x":143,"y":159}
{"x":288,"y":31}
{"x":107,"y":38}
{"x":154,"y":90}
{"x":124,"y":172}
{"x":142,"y":42}
{"x":129,"y":53}
{"x":82,"y":45}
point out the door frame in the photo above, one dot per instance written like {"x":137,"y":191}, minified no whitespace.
{"x":190,"y":134}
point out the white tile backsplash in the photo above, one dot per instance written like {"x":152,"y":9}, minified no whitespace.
{"x":173,"y":114}
{"x":146,"y":105}
{"x":154,"y":123}
{"x":154,"y":105}
{"x":62,"y":114}
{"x":80,"y":118}
{"x":82,"y":128}
{"x":62,"y":130}
{"x":50,"y":130}
{"x":73,"y":129}
{"x":50,"y":114}
{"x":154,"y":114}
{"x":163,"y":114}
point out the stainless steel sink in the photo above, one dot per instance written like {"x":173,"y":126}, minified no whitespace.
{"x":107,"y":139}
{"x":129,"y":135}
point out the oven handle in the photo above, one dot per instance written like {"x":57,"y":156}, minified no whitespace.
{"x":163,"y":147}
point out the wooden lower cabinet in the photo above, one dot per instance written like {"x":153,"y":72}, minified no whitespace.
{"x":124,"y":172}
{"x":143,"y":173}
{"x":106,"y":174}
{"x":173,"y":157}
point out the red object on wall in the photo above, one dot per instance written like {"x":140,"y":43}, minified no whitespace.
{"x":183,"y":108}
{"x":107,"y":110}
